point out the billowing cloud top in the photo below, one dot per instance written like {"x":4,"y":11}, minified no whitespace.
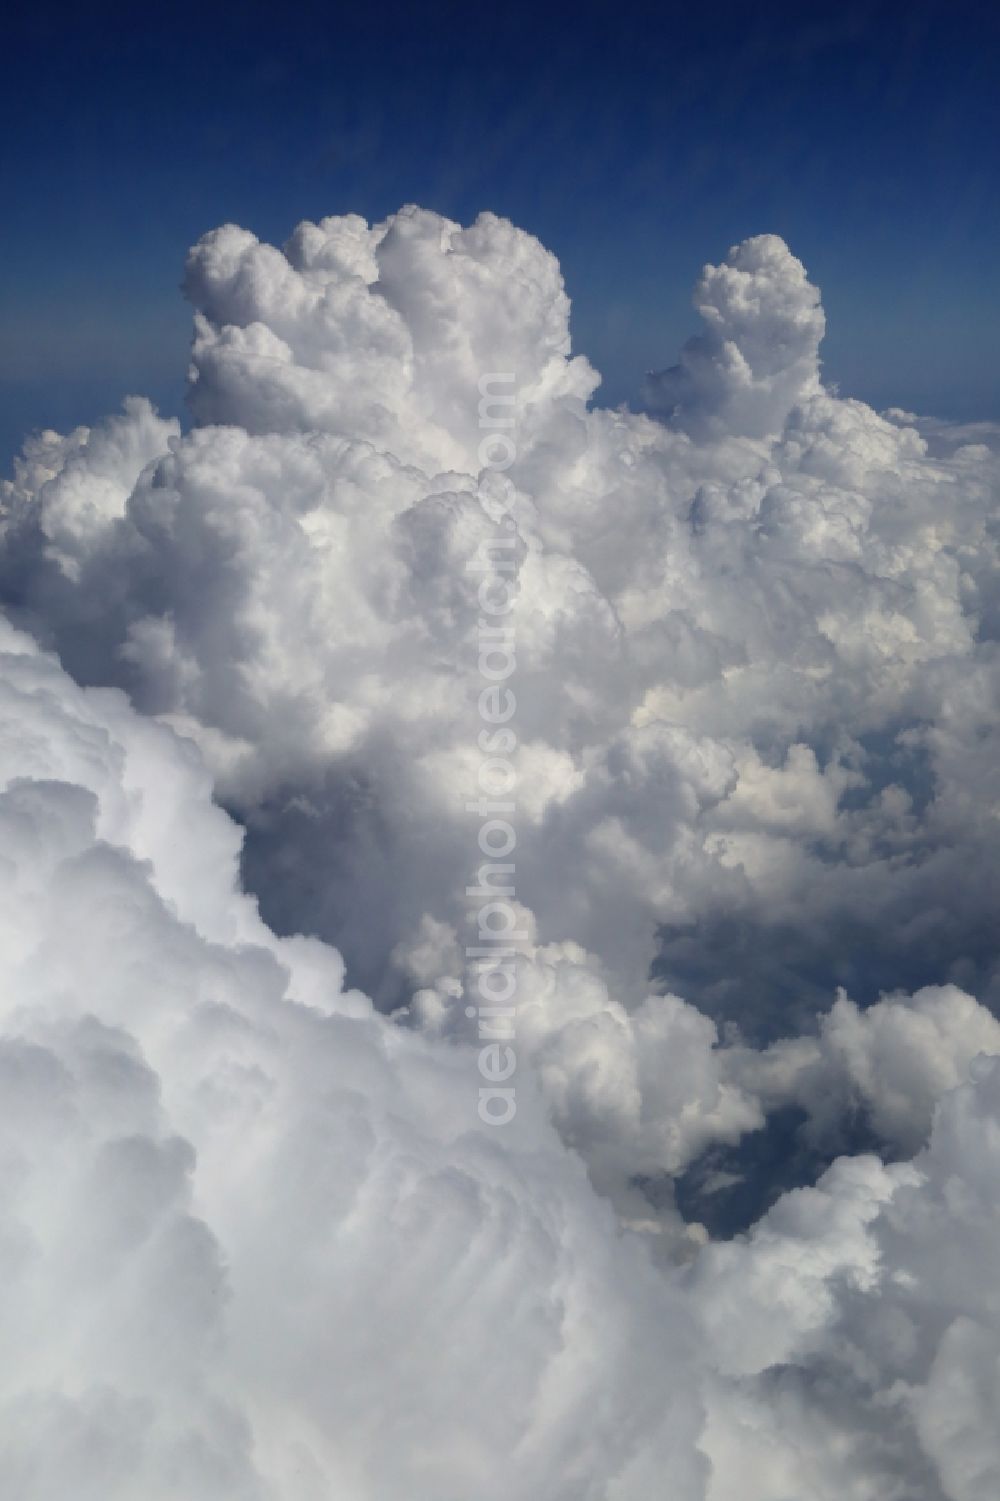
{"x":759,"y":355}
{"x":257,"y":1242}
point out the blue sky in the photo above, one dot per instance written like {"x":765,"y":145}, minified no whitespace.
{"x":637,"y":141}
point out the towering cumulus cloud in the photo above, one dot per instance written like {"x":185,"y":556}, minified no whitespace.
{"x":256,"y":1240}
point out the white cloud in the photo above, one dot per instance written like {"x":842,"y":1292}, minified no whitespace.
{"x":757,"y":686}
{"x":797,"y":605}
{"x":857,"y":1326}
{"x":759,"y":355}
{"x":255,"y":1241}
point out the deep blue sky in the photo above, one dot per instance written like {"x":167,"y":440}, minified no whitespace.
{"x":637,"y":140}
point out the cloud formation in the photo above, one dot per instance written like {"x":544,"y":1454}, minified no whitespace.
{"x":254,"y":1241}
{"x":756,"y":659}
{"x":259,"y":1244}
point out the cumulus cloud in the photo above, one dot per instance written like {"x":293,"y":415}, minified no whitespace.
{"x":856,"y":1326}
{"x":759,"y":355}
{"x":255,"y":1240}
{"x":755,"y":630}
{"x":756,"y":654}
